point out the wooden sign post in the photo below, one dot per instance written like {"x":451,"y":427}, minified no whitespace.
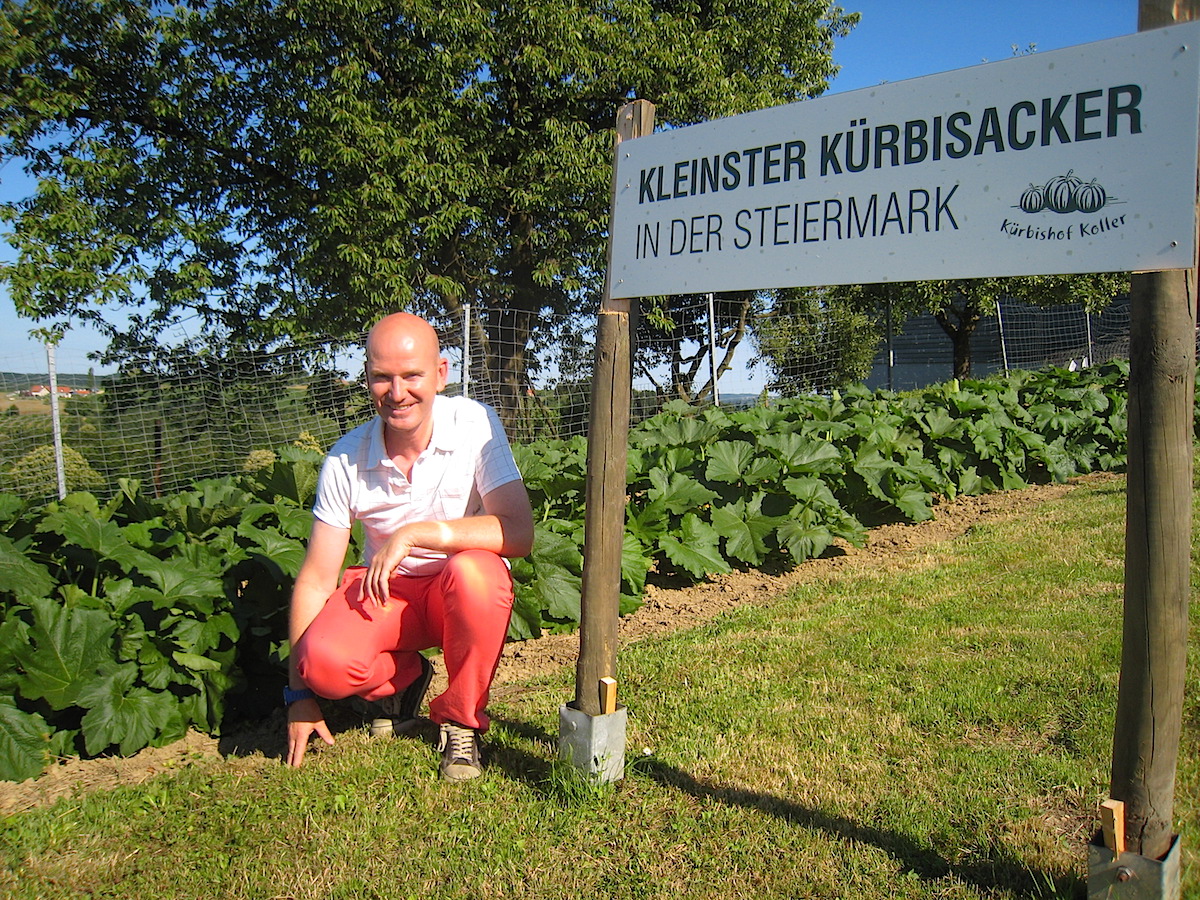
{"x":1157,"y":534}
{"x":608,"y":435}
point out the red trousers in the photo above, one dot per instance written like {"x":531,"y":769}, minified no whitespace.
{"x":352,"y":649}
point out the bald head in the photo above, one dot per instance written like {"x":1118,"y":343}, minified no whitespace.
{"x":405,"y":371}
{"x":405,"y":331}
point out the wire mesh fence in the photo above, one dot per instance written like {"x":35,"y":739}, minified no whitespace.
{"x":203,"y":411}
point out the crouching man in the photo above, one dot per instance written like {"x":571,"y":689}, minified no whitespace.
{"x":434,"y":484}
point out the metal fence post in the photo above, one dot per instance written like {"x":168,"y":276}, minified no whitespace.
{"x":1087,"y":324}
{"x":59,"y":467}
{"x":1003,"y":344}
{"x":466,"y":350}
{"x":712,"y":350}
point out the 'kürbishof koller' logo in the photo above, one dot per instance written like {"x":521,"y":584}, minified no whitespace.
{"x":1065,"y":195}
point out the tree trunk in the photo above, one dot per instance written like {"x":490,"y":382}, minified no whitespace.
{"x":506,"y":336}
{"x":959,"y":325}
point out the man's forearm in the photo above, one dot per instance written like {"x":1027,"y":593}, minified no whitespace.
{"x":307,"y":602}
{"x":450,"y":536}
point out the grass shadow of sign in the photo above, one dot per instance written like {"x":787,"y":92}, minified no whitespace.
{"x":989,"y":873}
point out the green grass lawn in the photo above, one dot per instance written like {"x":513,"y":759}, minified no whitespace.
{"x":942,"y":729}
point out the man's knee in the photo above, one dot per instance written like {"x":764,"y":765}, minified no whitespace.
{"x":328,"y":671}
{"x":478,"y":563}
{"x":477,"y":578}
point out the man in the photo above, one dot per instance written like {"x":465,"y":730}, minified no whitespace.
{"x":433,"y":482}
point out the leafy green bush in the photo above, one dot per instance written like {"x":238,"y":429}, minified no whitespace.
{"x":35,"y":474}
{"x":124,"y":624}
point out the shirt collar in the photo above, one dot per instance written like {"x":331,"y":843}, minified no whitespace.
{"x":443,"y":440}
{"x":445,"y":435}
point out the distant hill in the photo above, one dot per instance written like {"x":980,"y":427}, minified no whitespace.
{"x":732,"y":399}
{"x":23,"y":381}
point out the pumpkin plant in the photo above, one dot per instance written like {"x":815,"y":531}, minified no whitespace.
{"x":129,"y":620}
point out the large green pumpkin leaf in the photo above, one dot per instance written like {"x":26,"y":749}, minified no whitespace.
{"x":561,"y":593}
{"x":914,"y":502}
{"x":525,"y":622}
{"x":295,"y":481}
{"x":21,"y":576}
{"x":744,"y":528}
{"x":684,"y":432}
{"x":195,"y":662}
{"x":678,"y":492}
{"x":550,"y":547}
{"x":737,"y":462}
{"x":24,"y":742}
{"x":526,"y":619}
{"x":200,"y":635}
{"x":805,"y":538}
{"x":987,"y":438}
{"x":873,"y":467}
{"x":295,"y":521}
{"x":65,"y":648}
{"x":698,"y":552}
{"x":105,"y":539}
{"x":275,"y":549}
{"x":154,"y":668}
{"x":211,"y":503}
{"x":202,"y":708}
{"x":803,"y":455}
{"x":10,"y":506}
{"x":647,"y":522}
{"x":635,"y":562}
{"x":941,"y":425}
{"x":14,"y":635}
{"x":811,"y":492}
{"x":122,"y":595}
{"x":122,"y":715}
{"x":182,"y":585}
{"x":84,"y":530}
{"x":825,"y":429}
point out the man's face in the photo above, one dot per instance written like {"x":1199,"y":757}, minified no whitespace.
{"x":404,"y":376}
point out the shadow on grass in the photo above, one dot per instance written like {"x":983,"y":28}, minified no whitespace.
{"x":994,"y":872}
{"x":521,"y":765}
{"x":537,"y":770}
{"x":1004,"y":872}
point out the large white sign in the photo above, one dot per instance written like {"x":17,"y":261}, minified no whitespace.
{"x":1077,"y":160}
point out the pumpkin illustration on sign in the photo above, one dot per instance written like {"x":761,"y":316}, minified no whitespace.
{"x":1091,"y":197}
{"x":1060,"y":192}
{"x":1033,"y":199}
{"x":1064,"y":194}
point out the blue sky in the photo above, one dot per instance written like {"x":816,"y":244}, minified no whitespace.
{"x":895,"y":40}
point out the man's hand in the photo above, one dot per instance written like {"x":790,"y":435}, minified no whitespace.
{"x":383,"y":564}
{"x":304,"y":718}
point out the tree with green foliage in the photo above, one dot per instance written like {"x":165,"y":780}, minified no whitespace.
{"x":297,"y":167}
{"x":958,"y":306}
{"x":815,"y":341}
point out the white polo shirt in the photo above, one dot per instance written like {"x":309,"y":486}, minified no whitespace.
{"x":467,"y":457}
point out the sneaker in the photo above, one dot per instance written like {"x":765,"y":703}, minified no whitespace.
{"x":399,"y":710}
{"x":460,"y":753}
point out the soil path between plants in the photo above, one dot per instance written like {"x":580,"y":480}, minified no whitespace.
{"x":666,"y":608}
